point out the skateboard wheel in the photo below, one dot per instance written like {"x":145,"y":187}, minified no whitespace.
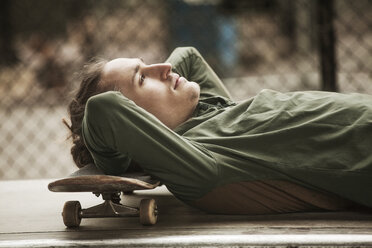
{"x":71,"y":214}
{"x":148,"y":212}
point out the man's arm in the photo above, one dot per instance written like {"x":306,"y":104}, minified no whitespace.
{"x":116,"y":130}
{"x":188,"y":62}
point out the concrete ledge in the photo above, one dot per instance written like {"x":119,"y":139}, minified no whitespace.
{"x":31,"y":217}
{"x":287,"y":240}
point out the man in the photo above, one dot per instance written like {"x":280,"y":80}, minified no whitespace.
{"x":273,"y":153}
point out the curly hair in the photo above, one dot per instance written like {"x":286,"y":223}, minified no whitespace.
{"x":90,"y":85}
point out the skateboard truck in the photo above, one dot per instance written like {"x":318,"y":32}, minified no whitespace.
{"x":73,"y":213}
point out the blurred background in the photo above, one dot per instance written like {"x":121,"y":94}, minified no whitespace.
{"x":283,"y":45}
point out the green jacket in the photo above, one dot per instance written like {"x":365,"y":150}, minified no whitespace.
{"x":320,"y":140}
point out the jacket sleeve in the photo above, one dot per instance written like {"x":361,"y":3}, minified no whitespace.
{"x":116,"y":130}
{"x":188,"y":62}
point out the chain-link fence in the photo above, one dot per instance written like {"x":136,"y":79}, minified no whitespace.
{"x":278,"y":44}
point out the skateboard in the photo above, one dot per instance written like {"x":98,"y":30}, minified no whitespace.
{"x":111,"y":188}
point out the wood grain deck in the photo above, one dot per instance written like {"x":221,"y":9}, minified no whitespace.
{"x":100,"y":183}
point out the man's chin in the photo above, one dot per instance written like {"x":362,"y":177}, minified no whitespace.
{"x":194,"y":84}
{"x":195,"y":92}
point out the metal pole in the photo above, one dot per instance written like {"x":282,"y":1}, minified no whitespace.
{"x":326,"y":40}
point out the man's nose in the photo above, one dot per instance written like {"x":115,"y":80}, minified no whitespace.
{"x":161,"y":70}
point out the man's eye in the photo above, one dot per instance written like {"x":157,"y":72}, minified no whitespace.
{"x":142,"y":78}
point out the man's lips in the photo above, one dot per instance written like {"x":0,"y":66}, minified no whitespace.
{"x":177,"y":82}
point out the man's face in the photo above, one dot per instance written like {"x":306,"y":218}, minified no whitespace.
{"x":155,"y":88}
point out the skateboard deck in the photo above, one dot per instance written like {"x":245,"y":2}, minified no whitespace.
{"x":111,"y":188}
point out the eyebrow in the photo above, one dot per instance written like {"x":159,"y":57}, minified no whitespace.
{"x":136,"y":70}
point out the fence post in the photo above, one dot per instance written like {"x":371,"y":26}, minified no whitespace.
{"x":7,"y":51}
{"x":326,"y":45}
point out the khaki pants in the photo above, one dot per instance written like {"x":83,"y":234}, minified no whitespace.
{"x":269,"y":197}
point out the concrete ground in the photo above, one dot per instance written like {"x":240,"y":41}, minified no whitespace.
{"x":30,"y":216}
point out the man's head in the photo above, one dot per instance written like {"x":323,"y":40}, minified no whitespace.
{"x":155,"y":88}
